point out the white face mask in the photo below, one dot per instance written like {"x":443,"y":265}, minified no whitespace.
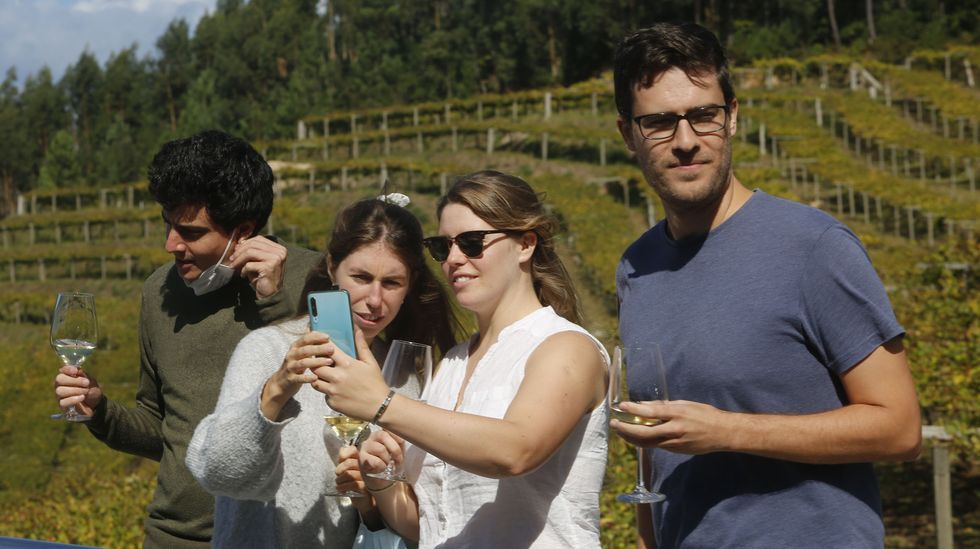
{"x":215,"y":276}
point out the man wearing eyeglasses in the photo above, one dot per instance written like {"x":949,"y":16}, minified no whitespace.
{"x":784,"y":359}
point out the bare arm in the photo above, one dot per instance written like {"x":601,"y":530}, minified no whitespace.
{"x":564,"y":379}
{"x":395,"y":500}
{"x":880,"y":422}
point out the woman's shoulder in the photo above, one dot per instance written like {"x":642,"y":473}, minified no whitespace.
{"x":547,"y":322}
{"x":559,"y":333}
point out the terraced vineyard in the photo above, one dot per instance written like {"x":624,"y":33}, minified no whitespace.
{"x":885,"y":166}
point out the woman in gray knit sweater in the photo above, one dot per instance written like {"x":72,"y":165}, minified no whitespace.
{"x":265,"y":452}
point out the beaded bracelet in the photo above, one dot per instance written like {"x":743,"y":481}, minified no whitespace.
{"x":384,"y":406}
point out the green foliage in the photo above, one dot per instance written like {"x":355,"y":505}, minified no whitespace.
{"x":834,"y":164}
{"x":954,"y":100}
{"x":942,"y":316}
{"x":56,"y":481}
{"x":60,"y":167}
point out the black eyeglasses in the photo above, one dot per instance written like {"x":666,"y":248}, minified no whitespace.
{"x":663,"y":125}
{"x":470,"y":243}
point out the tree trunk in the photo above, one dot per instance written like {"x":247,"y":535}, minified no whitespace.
{"x":833,"y":23}
{"x":331,"y":33}
{"x":7,"y":195}
{"x":553,"y":57}
{"x":871,"y":21}
{"x":171,"y":108}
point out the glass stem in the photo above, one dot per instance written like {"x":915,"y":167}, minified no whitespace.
{"x":640,"y":468}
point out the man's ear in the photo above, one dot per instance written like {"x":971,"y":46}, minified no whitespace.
{"x":733,"y":117}
{"x":626,"y":132}
{"x":246,"y":229}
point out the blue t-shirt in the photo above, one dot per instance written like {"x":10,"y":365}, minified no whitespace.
{"x":761,"y":315}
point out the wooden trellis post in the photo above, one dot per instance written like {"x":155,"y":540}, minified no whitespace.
{"x":942,"y":491}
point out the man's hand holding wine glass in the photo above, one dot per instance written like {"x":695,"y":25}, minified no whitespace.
{"x":75,"y":387}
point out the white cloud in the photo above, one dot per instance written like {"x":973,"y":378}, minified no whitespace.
{"x":139,"y":6}
{"x":35,"y":33}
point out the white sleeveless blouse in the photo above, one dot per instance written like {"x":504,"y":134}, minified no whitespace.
{"x":556,"y":505}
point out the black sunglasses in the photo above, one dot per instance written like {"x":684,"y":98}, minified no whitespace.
{"x":470,"y":243}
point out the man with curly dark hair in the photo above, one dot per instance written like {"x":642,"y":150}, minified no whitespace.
{"x":216,"y":194}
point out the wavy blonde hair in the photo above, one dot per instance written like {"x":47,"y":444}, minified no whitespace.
{"x":508,"y":202}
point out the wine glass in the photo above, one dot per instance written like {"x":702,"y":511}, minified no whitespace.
{"x":74,"y":333}
{"x":655,"y":381}
{"x":347,"y":429}
{"x":407,"y":370}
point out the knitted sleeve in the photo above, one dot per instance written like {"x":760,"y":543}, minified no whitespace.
{"x":236,"y":451}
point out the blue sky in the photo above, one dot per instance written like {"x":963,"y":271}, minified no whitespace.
{"x":34,"y":33}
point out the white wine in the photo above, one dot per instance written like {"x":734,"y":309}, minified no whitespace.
{"x":73,"y":351}
{"x":346,"y":428}
{"x":626,"y":417}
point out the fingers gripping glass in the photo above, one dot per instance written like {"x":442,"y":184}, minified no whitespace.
{"x":471,"y":243}
{"x":663,"y":125}
{"x":407,"y":370}
{"x":74,"y":333}
{"x":637,"y":358}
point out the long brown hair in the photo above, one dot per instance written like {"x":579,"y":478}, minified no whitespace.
{"x":426,"y":315}
{"x":508,"y":202}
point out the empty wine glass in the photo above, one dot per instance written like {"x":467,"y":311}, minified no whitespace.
{"x":650,"y":360}
{"x":407,"y":370}
{"x":74,"y":333}
{"x":347,"y":429}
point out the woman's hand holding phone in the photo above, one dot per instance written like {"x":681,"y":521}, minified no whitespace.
{"x":353,"y":387}
{"x":312,"y":350}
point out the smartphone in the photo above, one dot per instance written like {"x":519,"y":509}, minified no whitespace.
{"x":330,"y":313}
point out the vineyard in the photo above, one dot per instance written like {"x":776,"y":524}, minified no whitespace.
{"x":893,"y":151}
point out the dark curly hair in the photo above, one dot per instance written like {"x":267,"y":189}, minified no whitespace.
{"x":217,"y":170}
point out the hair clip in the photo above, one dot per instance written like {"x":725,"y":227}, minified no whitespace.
{"x":398,"y":199}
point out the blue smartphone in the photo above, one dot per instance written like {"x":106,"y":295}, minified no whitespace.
{"x":330,"y":313}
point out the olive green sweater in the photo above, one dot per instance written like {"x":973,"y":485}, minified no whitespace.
{"x":185,"y":344}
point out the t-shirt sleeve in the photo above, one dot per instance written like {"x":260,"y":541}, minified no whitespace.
{"x":845,"y":312}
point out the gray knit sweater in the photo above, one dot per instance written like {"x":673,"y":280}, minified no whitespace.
{"x":270,"y":476}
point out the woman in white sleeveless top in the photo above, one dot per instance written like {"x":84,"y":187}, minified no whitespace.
{"x":514,"y":428}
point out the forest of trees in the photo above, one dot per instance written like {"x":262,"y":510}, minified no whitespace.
{"x":253,"y":68}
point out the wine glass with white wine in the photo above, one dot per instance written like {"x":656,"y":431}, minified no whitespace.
{"x":407,"y":370}
{"x":649,"y":357}
{"x":74,"y":333}
{"x":347,"y":429}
